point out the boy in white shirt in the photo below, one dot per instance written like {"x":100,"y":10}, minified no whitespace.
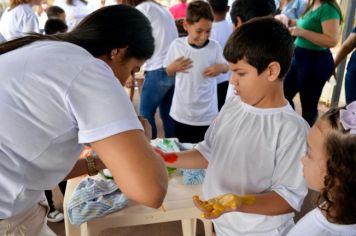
{"x":254,"y":145}
{"x":195,"y":61}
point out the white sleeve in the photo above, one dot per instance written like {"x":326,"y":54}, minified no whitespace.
{"x":99,"y":105}
{"x":204,"y":147}
{"x":287,"y":179}
{"x":31,"y":24}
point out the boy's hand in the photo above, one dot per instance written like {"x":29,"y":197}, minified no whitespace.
{"x":215,"y":207}
{"x":215,"y":70}
{"x":181,"y":65}
{"x":169,"y":157}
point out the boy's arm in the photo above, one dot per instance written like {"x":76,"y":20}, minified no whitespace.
{"x":191,"y":159}
{"x":269,"y":203}
{"x":215,"y":70}
{"x":181,"y":64}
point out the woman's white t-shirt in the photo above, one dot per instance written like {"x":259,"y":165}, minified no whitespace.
{"x":314,"y":223}
{"x":18,"y":21}
{"x":195,"y":96}
{"x":54,"y":97}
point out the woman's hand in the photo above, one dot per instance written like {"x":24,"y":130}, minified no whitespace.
{"x":215,"y":207}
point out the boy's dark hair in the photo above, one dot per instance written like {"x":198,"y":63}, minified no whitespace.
{"x":261,"y":41}
{"x":199,"y":10}
{"x":54,"y":12}
{"x":219,"y":6}
{"x":248,"y":9}
{"x":54,"y":26}
{"x":110,"y":27}
{"x":339,"y":192}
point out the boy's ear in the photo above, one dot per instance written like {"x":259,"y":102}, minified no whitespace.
{"x":185,"y":25}
{"x":273,"y":71}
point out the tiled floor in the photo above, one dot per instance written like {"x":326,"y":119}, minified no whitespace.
{"x":163,"y":229}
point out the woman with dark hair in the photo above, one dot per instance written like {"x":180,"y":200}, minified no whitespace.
{"x":19,"y":19}
{"x":65,"y":90}
{"x":316,"y":32}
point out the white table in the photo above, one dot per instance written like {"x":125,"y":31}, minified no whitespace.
{"x":178,"y":204}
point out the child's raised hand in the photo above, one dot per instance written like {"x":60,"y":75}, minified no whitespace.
{"x":181,"y":64}
{"x":215,"y":207}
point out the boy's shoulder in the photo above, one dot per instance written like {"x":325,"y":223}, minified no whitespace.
{"x":285,"y":118}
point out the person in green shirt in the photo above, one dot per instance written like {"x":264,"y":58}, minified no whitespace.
{"x":316,"y":32}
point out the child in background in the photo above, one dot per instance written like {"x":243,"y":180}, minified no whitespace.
{"x":330,"y":168}
{"x":244,"y":10}
{"x":56,"y":12}
{"x":195,"y":61}
{"x":54,"y":26}
{"x":221,"y":31}
{"x":254,"y":145}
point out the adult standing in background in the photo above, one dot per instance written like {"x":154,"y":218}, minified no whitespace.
{"x":292,"y":9}
{"x":68,"y":92}
{"x":19,"y":19}
{"x":158,"y":87}
{"x":312,"y":65}
{"x":179,"y":10}
{"x":75,"y":11}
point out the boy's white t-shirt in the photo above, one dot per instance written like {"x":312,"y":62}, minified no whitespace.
{"x":221,"y":32}
{"x":195,"y":96}
{"x":252,"y":150}
{"x":54,"y":96}
{"x":164,"y":32}
{"x":18,"y":21}
{"x":314,"y":223}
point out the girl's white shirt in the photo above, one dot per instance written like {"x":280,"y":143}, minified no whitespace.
{"x":315,"y":223}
